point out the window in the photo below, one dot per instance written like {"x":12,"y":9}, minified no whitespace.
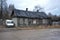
{"x":34,"y":21}
{"x":30,"y":22}
{"x":26,"y":21}
{"x":21,"y":20}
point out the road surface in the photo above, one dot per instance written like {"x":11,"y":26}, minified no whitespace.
{"x":43,"y":34}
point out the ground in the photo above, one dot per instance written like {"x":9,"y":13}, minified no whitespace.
{"x":41,"y":34}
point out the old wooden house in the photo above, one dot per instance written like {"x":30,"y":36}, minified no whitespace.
{"x":29,"y":18}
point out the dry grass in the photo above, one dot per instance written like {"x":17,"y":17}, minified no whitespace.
{"x":2,"y":26}
{"x":38,"y":27}
{"x":48,"y":27}
{"x":24,"y":28}
{"x":54,"y":26}
{"x":35,"y":27}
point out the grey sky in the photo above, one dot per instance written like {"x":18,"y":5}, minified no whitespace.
{"x":52,"y":6}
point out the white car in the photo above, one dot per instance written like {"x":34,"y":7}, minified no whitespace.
{"x":10,"y":23}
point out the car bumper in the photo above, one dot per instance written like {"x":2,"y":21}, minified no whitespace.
{"x":10,"y":26}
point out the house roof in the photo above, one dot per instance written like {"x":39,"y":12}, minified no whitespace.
{"x":29,"y":14}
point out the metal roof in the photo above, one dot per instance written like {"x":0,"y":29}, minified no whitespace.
{"x":29,"y":14}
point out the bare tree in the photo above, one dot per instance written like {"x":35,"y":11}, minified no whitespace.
{"x":11,"y":10}
{"x":11,"y":7}
{"x":3,"y":8}
{"x":39,"y":8}
{"x":50,"y":14}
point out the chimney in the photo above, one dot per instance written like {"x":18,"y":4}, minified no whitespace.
{"x":37,"y":10}
{"x":26,"y":9}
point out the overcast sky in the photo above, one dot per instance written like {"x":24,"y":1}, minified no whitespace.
{"x":52,"y":6}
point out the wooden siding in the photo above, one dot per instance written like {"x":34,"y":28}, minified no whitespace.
{"x":28,"y":22}
{"x":15,"y":21}
{"x":44,"y":21}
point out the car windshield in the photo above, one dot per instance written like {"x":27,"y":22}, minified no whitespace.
{"x":10,"y":22}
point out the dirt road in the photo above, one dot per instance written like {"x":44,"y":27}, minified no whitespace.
{"x":43,"y":34}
